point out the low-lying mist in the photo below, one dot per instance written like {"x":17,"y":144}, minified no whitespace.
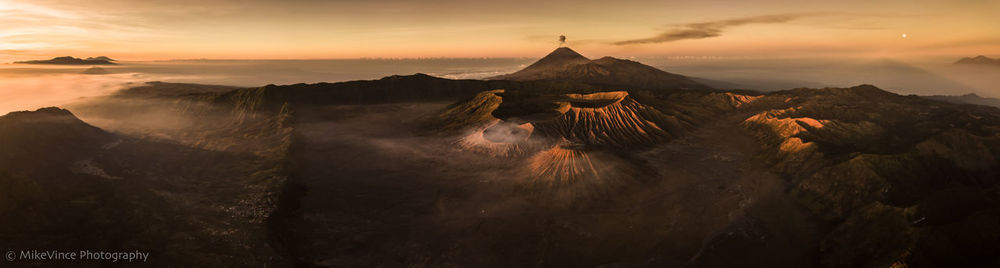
{"x":29,"y":87}
{"x":32,"y":92}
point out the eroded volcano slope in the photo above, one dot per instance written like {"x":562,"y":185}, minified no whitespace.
{"x":613,"y":119}
{"x":568,"y":137}
{"x":906,"y":181}
{"x":576,"y":144}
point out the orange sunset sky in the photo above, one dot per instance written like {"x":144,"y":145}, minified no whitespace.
{"x":303,"y":29}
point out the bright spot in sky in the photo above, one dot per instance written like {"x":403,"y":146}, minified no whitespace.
{"x":904,"y":35}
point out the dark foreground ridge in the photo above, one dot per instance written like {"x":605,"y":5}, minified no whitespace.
{"x":69,"y":186}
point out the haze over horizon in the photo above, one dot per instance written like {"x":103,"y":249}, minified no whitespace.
{"x":218,"y":29}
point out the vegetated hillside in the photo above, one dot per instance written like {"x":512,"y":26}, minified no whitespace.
{"x":170,"y":90}
{"x":48,"y":129}
{"x":69,"y":185}
{"x":566,"y":64}
{"x":904,"y":180}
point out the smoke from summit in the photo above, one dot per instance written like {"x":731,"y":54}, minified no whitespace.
{"x":562,"y":40}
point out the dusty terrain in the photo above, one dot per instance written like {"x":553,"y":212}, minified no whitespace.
{"x":373,"y":194}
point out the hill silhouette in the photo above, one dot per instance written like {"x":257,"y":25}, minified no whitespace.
{"x":970,"y":98}
{"x":104,"y":58}
{"x":55,"y":131}
{"x":68,"y":60}
{"x":978,"y":60}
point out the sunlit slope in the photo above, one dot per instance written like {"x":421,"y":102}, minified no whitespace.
{"x":904,"y":180}
{"x":574,"y":144}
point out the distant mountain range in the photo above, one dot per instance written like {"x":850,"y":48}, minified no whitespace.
{"x":68,"y":60}
{"x":970,"y":98}
{"x":979,"y":60}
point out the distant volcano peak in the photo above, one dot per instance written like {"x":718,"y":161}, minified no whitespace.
{"x":562,"y":56}
{"x":568,"y":65}
{"x":565,"y":52}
